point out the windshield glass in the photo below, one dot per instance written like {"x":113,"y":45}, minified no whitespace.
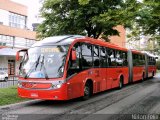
{"x":44,"y":62}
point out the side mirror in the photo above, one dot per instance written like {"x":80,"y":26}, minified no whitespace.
{"x":74,"y":57}
{"x":17,"y":56}
{"x":156,"y":57}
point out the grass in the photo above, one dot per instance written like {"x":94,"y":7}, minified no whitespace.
{"x":158,"y":71}
{"x":9,"y":96}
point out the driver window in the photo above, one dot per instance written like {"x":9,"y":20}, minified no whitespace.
{"x":75,"y":66}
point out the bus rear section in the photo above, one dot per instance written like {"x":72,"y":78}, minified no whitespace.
{"x":151,"y":66}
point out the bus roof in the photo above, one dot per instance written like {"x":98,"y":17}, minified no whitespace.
{"x":136,"y":51}
{"x":101,"y":43}
{"x":54,"y":40}
{"x":68,"y":39}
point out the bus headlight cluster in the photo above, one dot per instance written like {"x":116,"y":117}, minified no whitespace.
{"x":19,"y":84}
{"x":56,"y":86}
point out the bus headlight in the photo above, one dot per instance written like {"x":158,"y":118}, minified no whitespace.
{"x":19,"y":84}
{"x":56,"y":86}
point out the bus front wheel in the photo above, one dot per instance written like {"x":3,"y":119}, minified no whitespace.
{"x":153,"y":74}
{"x":87,"y":91}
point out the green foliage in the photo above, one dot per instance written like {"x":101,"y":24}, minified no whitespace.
{"x":149,"y":17}
{"x":86,"y":17}
{"x":83,"y":2}
{"x":158,"y":65}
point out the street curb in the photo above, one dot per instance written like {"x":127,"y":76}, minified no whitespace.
{"x":18,"y":105}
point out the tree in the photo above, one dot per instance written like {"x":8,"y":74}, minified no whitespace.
{"x":147,"y":23}
{"x":149,"y":17}
{"x":86,"y":17}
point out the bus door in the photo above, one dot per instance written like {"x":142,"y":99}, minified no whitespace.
{"x":103,"y":67}
{"x":111,"y":72}
{"x":74,"y":74}
{"x":99,"y":61}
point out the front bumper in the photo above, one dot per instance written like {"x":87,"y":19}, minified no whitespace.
{"x":44,"y":94}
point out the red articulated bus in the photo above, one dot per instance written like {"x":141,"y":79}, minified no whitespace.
{"x":67,"y":67}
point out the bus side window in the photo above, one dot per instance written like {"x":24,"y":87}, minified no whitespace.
{"x":75,"y":66}
{"x":125,"y":61}
{"x":96,"y":56}
{"x":103,"y":59}
{"x":135,"y":59}
{"x":86,"y":56}
{"x":111,"y":57}
{"x":119,"y":58}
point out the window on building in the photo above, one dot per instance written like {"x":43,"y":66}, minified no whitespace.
{"x":16,"y":20}
{"x":6,"y":40}
{"x":23,"y":42}
{"x":29,"y":42}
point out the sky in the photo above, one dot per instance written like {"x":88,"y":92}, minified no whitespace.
{"x":33,"y":8}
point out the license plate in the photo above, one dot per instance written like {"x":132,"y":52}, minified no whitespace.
{"x":34,"y":95}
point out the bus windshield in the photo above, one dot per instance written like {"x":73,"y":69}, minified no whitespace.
{"x":44,"y":62}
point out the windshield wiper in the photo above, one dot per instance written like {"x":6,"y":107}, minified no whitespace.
{"x":34,"y":64}
{"x":44,"y":69}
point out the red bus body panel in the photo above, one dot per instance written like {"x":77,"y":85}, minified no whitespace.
{"x":103,"y":78}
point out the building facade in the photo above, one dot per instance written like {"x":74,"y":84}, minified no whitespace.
{"x":121,"y":39}
{"x":14,"y":34}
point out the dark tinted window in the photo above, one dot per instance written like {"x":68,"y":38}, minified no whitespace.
{"x":103,"y":59}
{"x":141,"y":60}
{"x":96,"y":56}
{"x":111,"y":57}
{"x":125,"y":61}
{"x":135,"y":59}
{"x":138,"y":59}
{"x":151,"y":61}
{"x":119,"y":58}
{"x":86,"y":62}
{"x":86,"y":56}
{"x":96,"y":51}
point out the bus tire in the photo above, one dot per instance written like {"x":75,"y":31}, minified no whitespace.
{"x":143,"y":77}
{"x":152,"y":74}
{"x":120,"y":83}
{"x":88,"y":88}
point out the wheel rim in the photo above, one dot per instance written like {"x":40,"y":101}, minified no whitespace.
{"x":143,"y":77}
{"x":86,"y":91}
{"x":120,"y":84}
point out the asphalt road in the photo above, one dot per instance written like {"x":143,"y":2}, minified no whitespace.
{"x":136,"y":101}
